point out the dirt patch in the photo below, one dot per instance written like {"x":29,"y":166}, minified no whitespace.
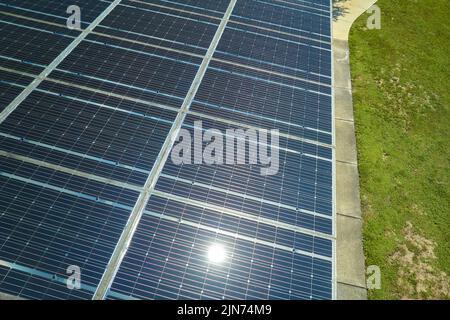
{"x":406,"y":99}
{"x":417,"y":278}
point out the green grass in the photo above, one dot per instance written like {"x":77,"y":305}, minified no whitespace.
{"x":401,"y":81}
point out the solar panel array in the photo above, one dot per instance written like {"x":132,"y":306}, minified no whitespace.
{"x":76,"y":152}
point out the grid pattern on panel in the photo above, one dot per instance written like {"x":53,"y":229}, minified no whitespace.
{"x":75,"y":154}
{"x":214,"y":8}
{"x":88,"y":129}
{"x":168,"y":260}
{"x":152,"y":73}
{"x":301,"y":184}
{"x":29,"y":46}
{"x":294,"y":58}
{"x":261,"y":98}
{"x":262,"y":74}
{"x":31,"y":40}
{"x":11,"y":85}
{"x":239,"y":226}
{"x":50,"y":221}
{"x":35,"y":32}
{"x":309,"y":21}
{"x":161,"y":26}
{"x":99,"y":115}
{"x":56,"y":8}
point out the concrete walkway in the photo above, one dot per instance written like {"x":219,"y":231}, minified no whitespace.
{"x":351,"y":283}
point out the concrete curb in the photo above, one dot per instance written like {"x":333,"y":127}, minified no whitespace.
{"x":350,"y":269}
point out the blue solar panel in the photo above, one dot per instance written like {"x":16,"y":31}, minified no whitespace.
{"x":290,"y":89}
{"x":88,"y":129}
{"x":29,"y":45}
{"x":294,"y":58}
{"x":11,"y":84}
{"x":236,"y":225}
{"x":55,"y":10}
{"x":167,"y":261}
{"x":214,"y":8}
{"x":77,"y":153}
{"x":51,"y":220}
{"x":307,"y":20}
{"x":33,"y":34}
{"x":161,"y":25}
{"x":266,"y":98}
{"x":36,"y":31}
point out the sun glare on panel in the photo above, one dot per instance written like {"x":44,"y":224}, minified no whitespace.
{"x":216,"y":253}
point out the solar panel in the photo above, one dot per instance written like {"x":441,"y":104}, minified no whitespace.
{"x":86,"y":177}
{"x":205,"y":197}
{"x":158,"y":266}
{"x":35,"y":32}
{"x":51,"y":220}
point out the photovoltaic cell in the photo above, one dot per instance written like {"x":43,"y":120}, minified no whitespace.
{"x":160,"y":26}
{"x":72,"y":160}
{"x":31,"y":45}
{"x":293,"y":58}
{"x":75,"y":154}
{"x":280,"y":17}
{"x":239,"y":226}
{"x":28,"y":46}
{"x":51,"y":220}
{"x":265,"y":99}
{"x":52,"y":10}
{"x":300,"y":183}
{"x":167,"y":260}
{"x":118,"y":65}
{"x":35,"y":32}
{"x":304,"y":141}
{"x":212,"y":7}
{"x":244,"y":118}
{"x":11,"y":85}
{"x":264,"y":78}
{"x":15,"y":17}
{"x":87,"y":129}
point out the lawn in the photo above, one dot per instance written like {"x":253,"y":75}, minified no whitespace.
{"x":401,"y":81}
